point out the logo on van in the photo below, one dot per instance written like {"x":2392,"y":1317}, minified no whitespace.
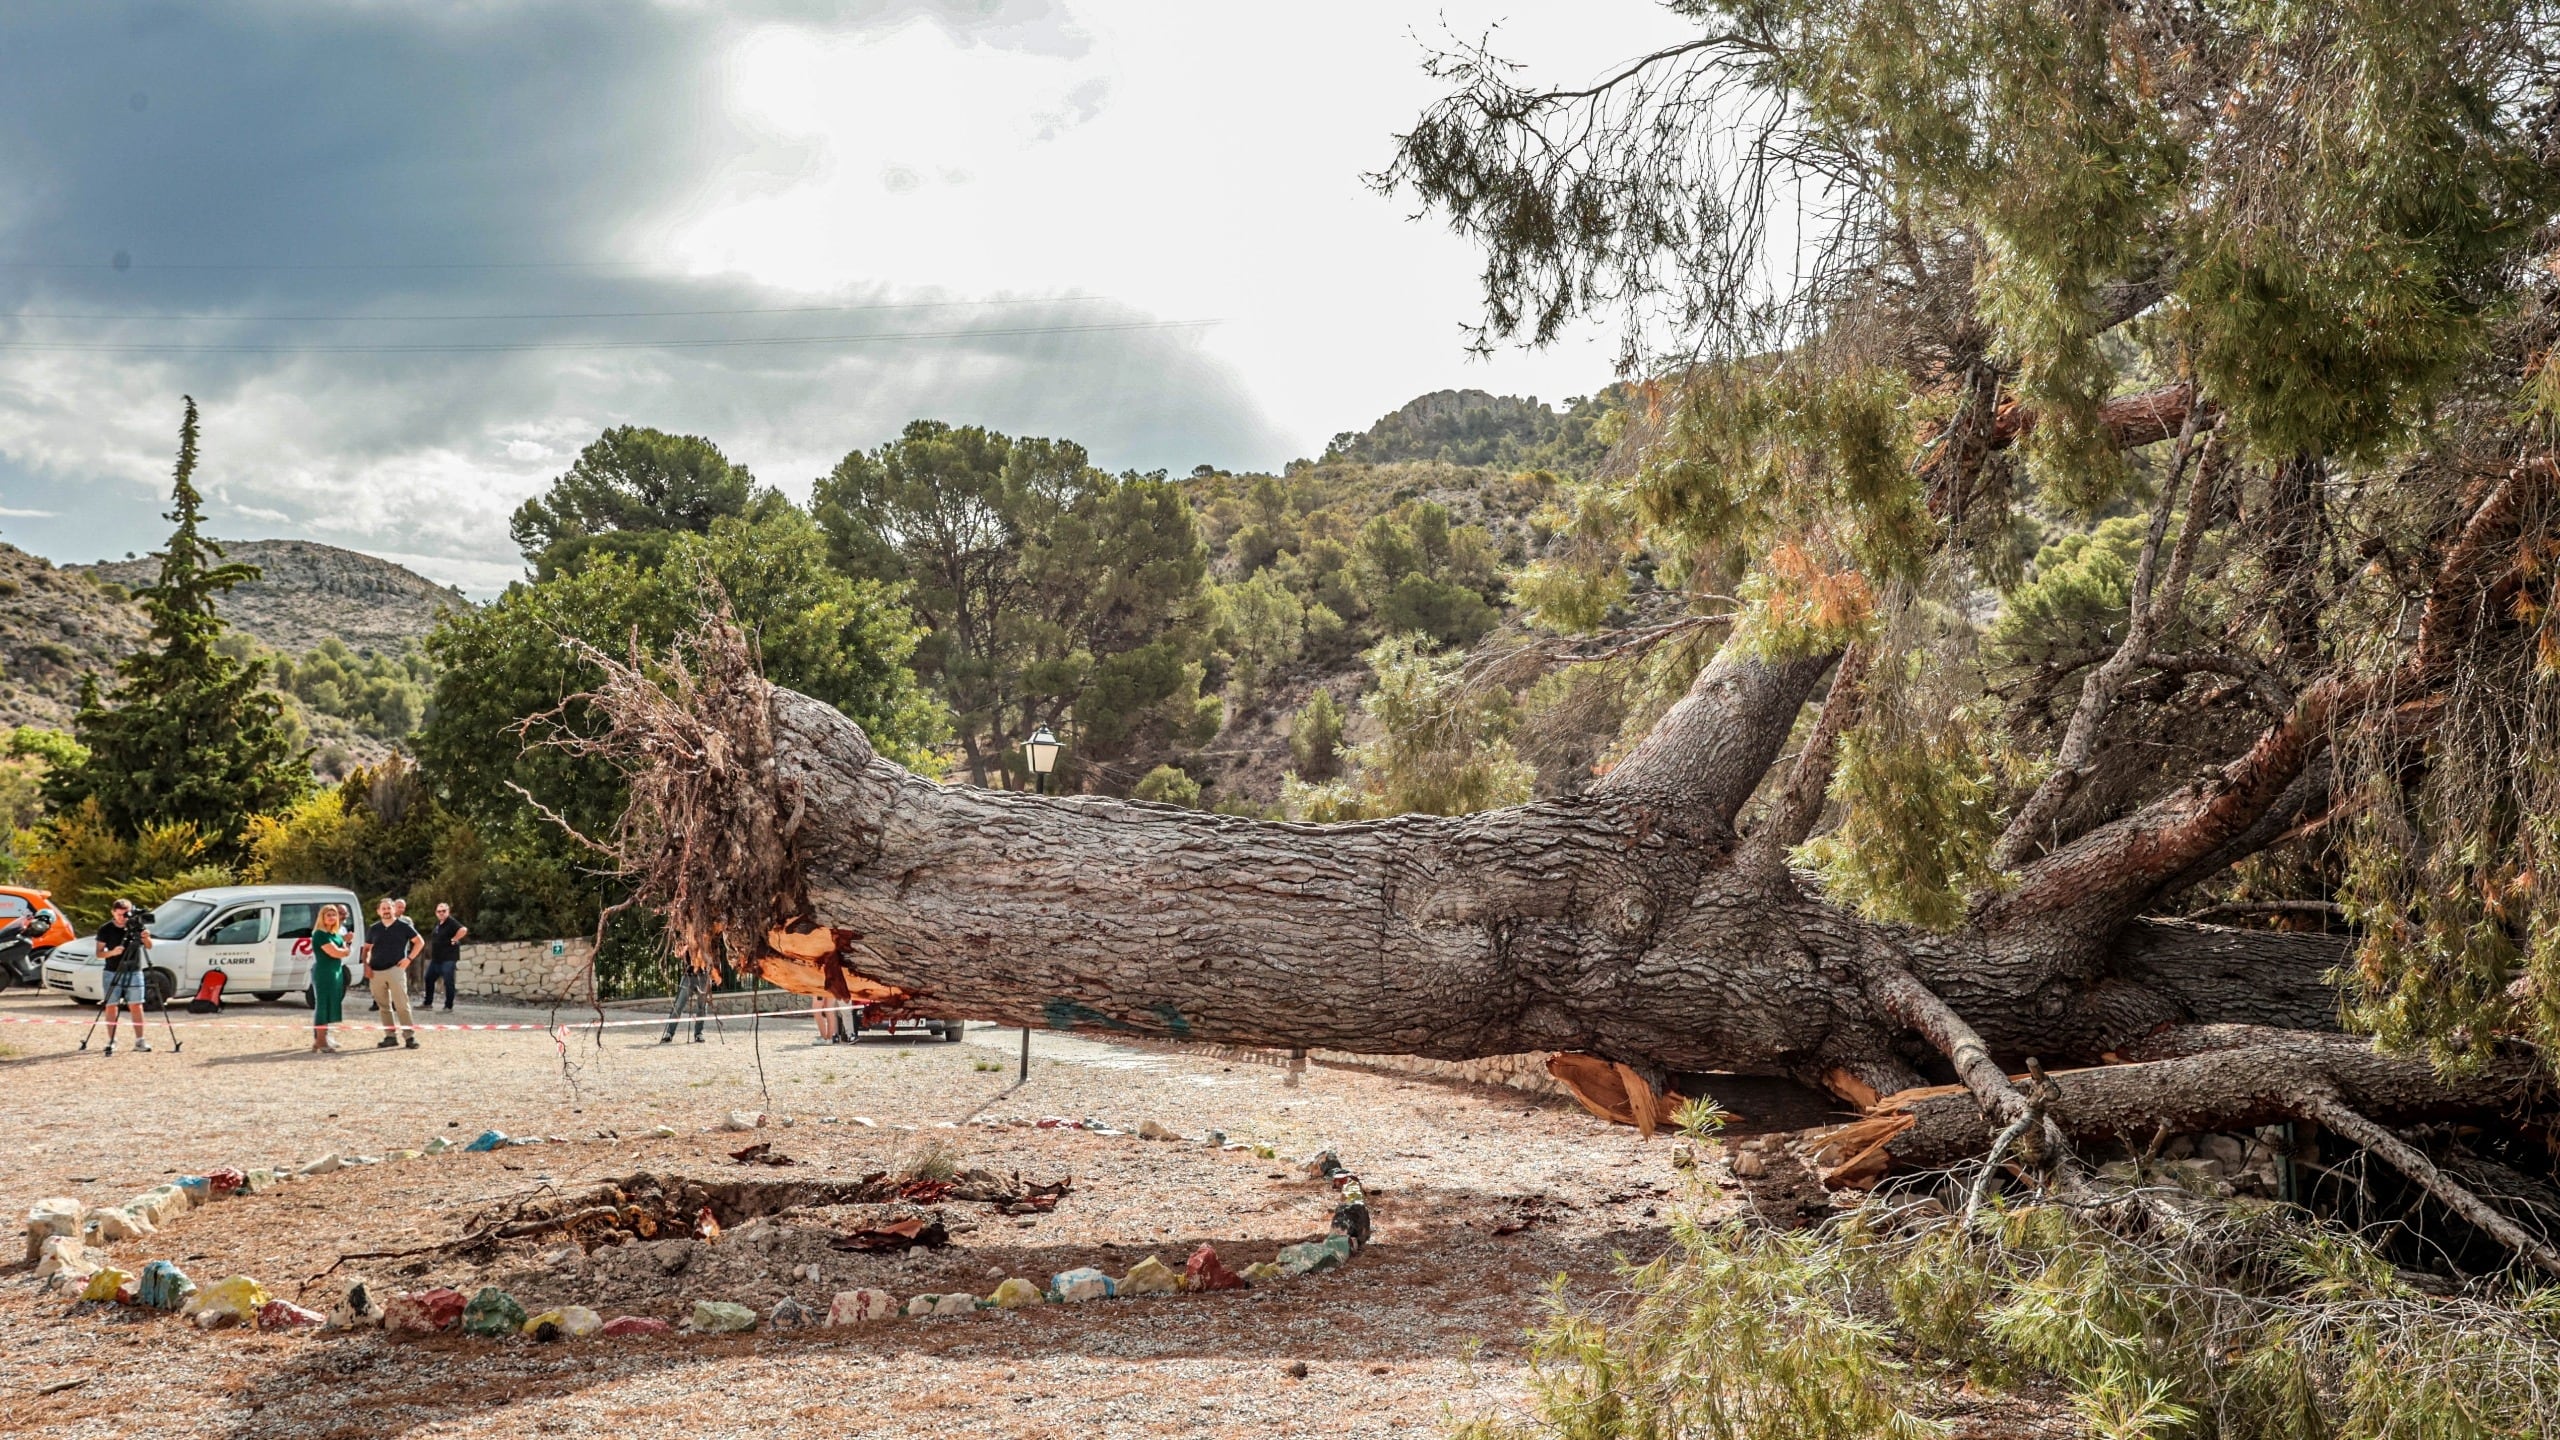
{"x":302,"y":946}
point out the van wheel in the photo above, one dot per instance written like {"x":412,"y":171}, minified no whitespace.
{"x":951,"y":1030}
{"x":270,"y":996}
{"x":157,"y":987}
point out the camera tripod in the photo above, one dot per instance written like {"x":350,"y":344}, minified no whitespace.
{"x":176,"y":1045}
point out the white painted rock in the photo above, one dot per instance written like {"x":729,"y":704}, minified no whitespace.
{"x":108,"y":1224}
{"x":861,"y":1307}
{"x":63,"y":1253}
{"x":46,"y":1219}
{"x":160,"y":1204}
{"x":742,"y":1120}
{"x":1084,"y":1283}
{"x":326,"y":1164}
{"x":358,"y":1307}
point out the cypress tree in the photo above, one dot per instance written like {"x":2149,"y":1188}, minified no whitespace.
{"x":188,"y":735}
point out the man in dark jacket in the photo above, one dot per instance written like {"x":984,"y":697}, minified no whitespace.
{"x":444,"y":954}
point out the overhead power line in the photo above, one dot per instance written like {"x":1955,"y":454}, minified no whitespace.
{"x":555,"y":314}
{"x":511,"y":347}
{"x":128,"y":265}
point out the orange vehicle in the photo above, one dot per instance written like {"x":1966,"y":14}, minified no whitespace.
{"x":31,"y":925}
{"x":17,"y":902}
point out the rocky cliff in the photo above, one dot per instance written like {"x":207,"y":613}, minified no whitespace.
{"x":311,"y":591}
{"x":56,"y":625}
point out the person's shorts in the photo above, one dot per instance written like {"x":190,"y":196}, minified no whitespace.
{"x":125,"y":987}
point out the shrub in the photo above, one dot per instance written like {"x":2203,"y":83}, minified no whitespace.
{"x":2156,"y":1313}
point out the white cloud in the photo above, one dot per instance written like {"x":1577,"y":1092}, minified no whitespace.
{"x":1119,"y":163}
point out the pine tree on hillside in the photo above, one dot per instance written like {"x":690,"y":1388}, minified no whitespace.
{"x":189,"y":734}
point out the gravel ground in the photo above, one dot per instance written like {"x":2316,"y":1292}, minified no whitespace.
{"x":1423,"y":1328}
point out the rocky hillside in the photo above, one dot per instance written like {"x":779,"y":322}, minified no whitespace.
{"x":311,"y":592}
{"x":56,"y":625}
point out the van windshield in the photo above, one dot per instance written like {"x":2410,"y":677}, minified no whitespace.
{"x":173,"y":919}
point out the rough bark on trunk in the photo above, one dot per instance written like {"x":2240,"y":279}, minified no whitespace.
{"x":1635,"y":923}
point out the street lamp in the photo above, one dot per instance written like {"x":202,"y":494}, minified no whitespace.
{"x":1041,"y":750}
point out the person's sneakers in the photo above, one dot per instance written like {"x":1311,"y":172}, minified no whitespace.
{"x":143,"y":1046}
{"x":386,"y":1042}
{"x":667,"y":1039}
{"x":111,"y":1047}
{"x":413,"y":1042}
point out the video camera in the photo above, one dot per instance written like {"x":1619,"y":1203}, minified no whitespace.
{"x":142,"y":917}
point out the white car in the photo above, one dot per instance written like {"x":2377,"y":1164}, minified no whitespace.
{"x":259,"y":936}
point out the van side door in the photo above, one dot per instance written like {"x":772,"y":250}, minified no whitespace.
{"x":293,"y":944}
{"x":239,"y":943}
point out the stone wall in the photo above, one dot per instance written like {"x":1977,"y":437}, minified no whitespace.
{"x":525,"y":969}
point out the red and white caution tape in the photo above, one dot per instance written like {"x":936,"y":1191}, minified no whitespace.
{"x":423,"y":1025}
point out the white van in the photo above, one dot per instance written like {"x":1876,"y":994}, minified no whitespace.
{"x":259,"y":936}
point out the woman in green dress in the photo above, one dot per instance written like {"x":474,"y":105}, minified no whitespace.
{"x":330,"y":942}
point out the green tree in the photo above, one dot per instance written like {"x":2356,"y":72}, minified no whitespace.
{"x":1442,"y":747}
{"x":1047,"y":588}
{"x":1315,"y":738}
{"x":631,"y":489}
{"x":839,"y":640}
{"x":190,"y":736}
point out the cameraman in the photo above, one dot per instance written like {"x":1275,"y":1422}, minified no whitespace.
{"x":123,"y":942}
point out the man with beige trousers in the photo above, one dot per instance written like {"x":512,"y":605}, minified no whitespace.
{"x":390,"y":943}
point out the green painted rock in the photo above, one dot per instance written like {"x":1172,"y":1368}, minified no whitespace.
{"x":719,"y":1317}
{"x":1326,"y":1254}
{"x":492,"y":1313}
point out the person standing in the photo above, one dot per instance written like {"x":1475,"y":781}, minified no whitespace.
{"x":390,"y":943}
{"x":122,"y":944}
{"x":444,"y":953}
{"x":330,"y":942}
{"x":693,"y":988}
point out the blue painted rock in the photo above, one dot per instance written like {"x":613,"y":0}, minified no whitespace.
{"x":163,"y":1286}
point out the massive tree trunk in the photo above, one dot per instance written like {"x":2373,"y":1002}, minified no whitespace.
{"x":1636,"y":923}
{"x":1613,"y":924}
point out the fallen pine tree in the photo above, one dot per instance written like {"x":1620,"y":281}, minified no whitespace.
{"x":2292,"y":652}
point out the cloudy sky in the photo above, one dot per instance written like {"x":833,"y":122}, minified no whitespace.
{"x":409,"y":258}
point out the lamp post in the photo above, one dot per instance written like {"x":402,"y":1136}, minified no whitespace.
{"x":1040,"y":751}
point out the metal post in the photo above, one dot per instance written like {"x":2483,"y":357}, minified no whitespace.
{"x":1026,"y":1057}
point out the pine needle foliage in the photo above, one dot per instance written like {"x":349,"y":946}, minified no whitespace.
{"x":1442,"y":747}
{"x":190,"y":735}
{"x":2157,"y":1315}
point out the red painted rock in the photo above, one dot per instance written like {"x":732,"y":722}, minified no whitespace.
{"x":1205,"y":1271}
{"x":225,"y":1182}
{"x":425,"y":1312}
{"x":637,"y":1325}
{"x":285,"y":1315}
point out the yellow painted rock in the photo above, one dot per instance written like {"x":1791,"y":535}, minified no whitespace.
{"x":105,"y":1284}
{"x":1016,"y":1293}
{"x":1151,"y":1276}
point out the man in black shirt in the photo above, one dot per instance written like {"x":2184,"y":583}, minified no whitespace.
{"x":390,"y":943}
{"x":444,"y":953}
{"x":121,"y":947}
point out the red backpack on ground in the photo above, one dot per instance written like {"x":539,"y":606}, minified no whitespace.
{"x":208,"y":999}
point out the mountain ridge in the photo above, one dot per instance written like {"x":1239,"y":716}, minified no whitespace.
{"x":308,"y":592}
